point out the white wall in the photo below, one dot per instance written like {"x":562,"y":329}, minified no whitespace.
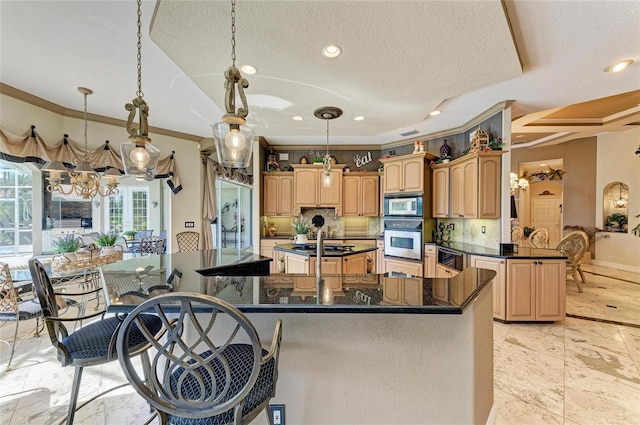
{"x":17,"y":117}
{"x":616,"y":161}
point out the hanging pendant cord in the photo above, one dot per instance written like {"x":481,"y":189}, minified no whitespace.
{"x":86,"y":148}
{"x":139,"y":92}
{"x":327,"y":137}
{"x":233,"y":32}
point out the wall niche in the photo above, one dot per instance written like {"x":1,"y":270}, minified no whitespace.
{"x":616,"y":207}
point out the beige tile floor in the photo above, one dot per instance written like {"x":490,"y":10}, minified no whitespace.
{"x":572,"y":372}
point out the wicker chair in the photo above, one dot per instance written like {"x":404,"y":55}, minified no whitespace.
{"x":539,"y":238}
{"x":199,"y":381}
{"x":188,"y":241}
{"x":15,"y":310}
{"x":574,"y":245}
{"x":153,"y":245}
{"x":91,"y":345}
{"x":516,"y":234}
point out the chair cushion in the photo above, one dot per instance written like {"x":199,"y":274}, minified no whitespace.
{"x":240,"y":359}
{"x":28,"y":310}
{"x":92,"y":340}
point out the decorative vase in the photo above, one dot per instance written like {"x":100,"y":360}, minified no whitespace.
{"x":107,"y":250}
{"x":302,"y":238}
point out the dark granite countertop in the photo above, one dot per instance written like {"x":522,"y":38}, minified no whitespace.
{"x":524,"y":253}
{"x":130,"y":282}
{"x":334,"y":238}
{"x":339,"y":250}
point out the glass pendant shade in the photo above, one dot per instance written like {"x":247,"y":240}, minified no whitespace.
{"x":139,"y":158}
{"x":234,"y":144}
{"x":327,"y":179}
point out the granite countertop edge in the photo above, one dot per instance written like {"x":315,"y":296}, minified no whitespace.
{"x":524,"y":253}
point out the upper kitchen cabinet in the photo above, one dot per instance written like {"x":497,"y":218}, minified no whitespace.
{"x":360,"y":193}
{"x":440,"y":193}
{"x":407,"y":173}
{"x":474,"y":186}
{"x":308,"y":191}
{"x":278,"y":193}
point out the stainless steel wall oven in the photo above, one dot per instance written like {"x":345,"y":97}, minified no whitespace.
{"x":403,"y":238}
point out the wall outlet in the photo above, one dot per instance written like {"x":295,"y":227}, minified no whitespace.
{"x":189,"y":224}
{"x":484,"y":229}
{"x":277,"y":413}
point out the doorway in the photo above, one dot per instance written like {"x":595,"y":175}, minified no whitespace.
{"x":233,"y":229}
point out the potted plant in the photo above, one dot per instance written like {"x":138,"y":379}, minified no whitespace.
{"x":301,"y":225}
{"x":106,"y":241}
{"x":316,"y":157}
{"x":68,"y":245}
{"x":496,"y":145}
{"x":617,"y":222}
{"x":129,"y":234}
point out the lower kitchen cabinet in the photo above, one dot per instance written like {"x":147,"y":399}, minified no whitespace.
{"x":266,"y":249}
{"x":372,"y":256}
{"x":444,"y":271}
{"x":406,"y":267}
{"x":402,"y":291}
{"x":499,"y":282}
{"x":329,"y":265}
{"x":430,"y":254}
{"x":535,"y":290}
{"x":379,"y":266}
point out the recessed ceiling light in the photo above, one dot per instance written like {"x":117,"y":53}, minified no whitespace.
{"x":620,"y":66}
{"x":332,"y":51}
{"x":543,"y":164}
{"x":358,"y":118}
{"x":434,"y":113}
{"x":249,"y":69}
{"x":297,"y":118}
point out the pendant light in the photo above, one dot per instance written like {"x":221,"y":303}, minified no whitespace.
{"x":327,"y":113}
{"x":620,"y":202}
{"x":233,"y":139}
{"x":84,"y":181}
{"x":139,"y":156}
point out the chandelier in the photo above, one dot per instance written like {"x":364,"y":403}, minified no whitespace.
{"x":233,"y":139}
{"x":139,"y":156}
{"x":327,"y":113}
{"x":518,"y":185}
{"x":620,"y":201}
{"x":83,"y":180}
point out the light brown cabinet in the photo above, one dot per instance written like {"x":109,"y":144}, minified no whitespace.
{"x":266,"y":249}
{"x":535,"y":290}
{"x":372,"y":256}
{"x":406,"y":267}
{"x":328,"y":265}
{"x":446,"y":272}
{"x":337,"y":266}
{"x":499,"y":282}
{"x":360,"y":194}
{"x":309,"y":192}
{"x":430,"y":253}
{"x":379,"y":267}
{"x":402,"y":291}
{"x":440,"y":192}
{"x":474,"y":186}
{"x":407,"y":173}
{"x":278,"y":193}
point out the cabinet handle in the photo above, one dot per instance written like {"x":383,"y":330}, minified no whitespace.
{"x":502,"y":262}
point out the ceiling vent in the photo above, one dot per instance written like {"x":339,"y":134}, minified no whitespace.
{"x":409,"y":133}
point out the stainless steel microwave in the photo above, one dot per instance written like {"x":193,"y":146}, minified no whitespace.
{"x":404,"y":205}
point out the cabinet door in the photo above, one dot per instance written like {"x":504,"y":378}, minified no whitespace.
{"x":380,"y":258}
{"x":457,"y":188}
{"x":521,"y":290}
{"x":372,"y":256}
{"x":499,"y":284}
{"x":271,"y":195}
{"x":446,"y":272}
{"x":489,"y":187}
{"x":329,"y":265}
{"x":285,"y":195}
{"x":392,"y":291}
{"x":441,"y":192}
{"x":351,"y":195}
{"x":306,"y":187}
{"x":399,"y":266}
{"x":296,"y":264}
{"x":413,"y":175}
{"x":470,"y":189}
{"x":355,"y":264}
{"x":331,"y":196}
{"x":369,"y":196}
{"x":393,"y":177}
{"x":429,"y":261}
{"x":550,"y":290}
{"x":413,"y":291}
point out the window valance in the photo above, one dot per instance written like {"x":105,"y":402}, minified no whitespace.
{"x":30,"y":147}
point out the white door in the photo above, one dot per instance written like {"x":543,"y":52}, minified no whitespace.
{"x":546,"y":213}
{"x":128,"y":210}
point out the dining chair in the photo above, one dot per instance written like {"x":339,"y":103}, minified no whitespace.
{"x":517,"y":234}
{"x":13,"y":309}
{"x":152,"y":245}
{"x":188,"y":241}
{"x":221,"y":375}
{"x":92,"y":344}
{"x":539,"y":238}
{"x":574,"y":245}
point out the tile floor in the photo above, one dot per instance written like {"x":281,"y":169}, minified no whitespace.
{"x":573,"y":372}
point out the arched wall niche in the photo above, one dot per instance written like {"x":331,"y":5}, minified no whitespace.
{"x":615,"y":208}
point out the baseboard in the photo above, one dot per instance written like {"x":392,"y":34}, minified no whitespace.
{"x":624,"y":267}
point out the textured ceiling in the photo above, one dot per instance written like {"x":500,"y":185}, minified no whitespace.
{"x":401,"y":60}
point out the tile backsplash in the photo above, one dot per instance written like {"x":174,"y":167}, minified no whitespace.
{"x":470,"y":231}
{"x":338,"y":226}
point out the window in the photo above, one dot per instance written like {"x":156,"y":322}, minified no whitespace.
{"x":16,"y":209}
{"x":129,"y":209}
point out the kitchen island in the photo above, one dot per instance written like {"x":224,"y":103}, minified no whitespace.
{"x":336,"y":259}
{"x":384,"y":350}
